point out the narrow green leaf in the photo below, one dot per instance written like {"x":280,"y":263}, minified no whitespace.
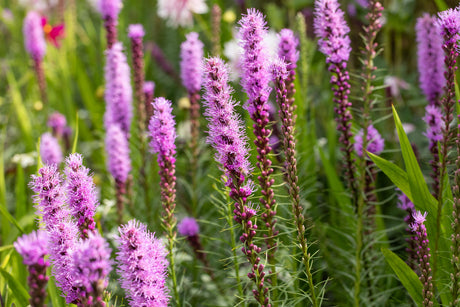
{"x":21,"y":194}
{"x":75,"y":140}
{"x":6,"y":247}
{"x":394,"y":173}
{"x":10,"y":218}
{"x":406,"y":275}
{"x":19,"y":292}
{"x":53,"y":291}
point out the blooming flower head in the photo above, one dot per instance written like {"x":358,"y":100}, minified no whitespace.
{"x":117,"y":147}
{"x":142,"y":266}
{"x":430,"y":58}
{"x":188,"y":227}
{"x":162,"y":129}
{"x":118,"y":91}
{"x":136,"y":31}
{"x":419,"y":219}
{"x":49,"y":198}
{"x":149,"y":87}
{"x":404,"y":203}
{"x":50,"y":150}
{"x":179,"y":12}
{"x":109,"y":8}
{"x":433,"y":119}
{"x":255,"y":77}
{"x":287,"y":49}
{"x":32,"y":247}
{"x":449,"y":23}
{"x":191,"y":61}
{"x":91,"y":264}
{"x":34,"y":39}
{"x":53,"y":33}
{"x":225,"y":127}
{"x":375,"y":142}
{"x":57,"y":122}
{"x":332,"y":31}
{"x":81,"y":193}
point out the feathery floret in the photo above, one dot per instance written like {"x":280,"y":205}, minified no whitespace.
{"x":118,"y":161}
{"x":191,"y":62}
{"x":188,"y":227}
{"x":50,"y":150}
{"x":34,"y":38}
{"x":162,"y":128}
{"x":375,"y":142}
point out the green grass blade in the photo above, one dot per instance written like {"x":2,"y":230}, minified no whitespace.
{"x":19,"y":292}
{"x":75,"y":140}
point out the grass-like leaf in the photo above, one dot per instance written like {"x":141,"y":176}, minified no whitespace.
{"x":18,"y":291}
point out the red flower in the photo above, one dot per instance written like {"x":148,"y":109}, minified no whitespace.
{"x":53,"y":33}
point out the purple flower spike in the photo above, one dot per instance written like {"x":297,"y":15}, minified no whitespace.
{"x":149,"y":90}
{"x":119,"y":163}
{"x":423,"y":254}
{"x":136,"y":31}
{"x":50,"y":150}
{"x":430,"y":58}
{"x":90,"y":269}
{"x":188,"y":227}
{"x":191,"y":62}
{"x":254,"y":61}
{"x":142,"y":266}
{"x":49,"y":198}
{"x":118,"y":91}
{"x":58,"y":123}
{"x":227,"y":137}
{"x":34,"y":38}
{"x":62,"y":239}
{"x":162,"y":128}
{"x":109,"y":10}
{"x":332,"y":31}
{"x":32,"y":248}
{"x":433,"y":119}
{"x":375,"y":142}
{"x":287,"y":49}
{"x":81,"y":194}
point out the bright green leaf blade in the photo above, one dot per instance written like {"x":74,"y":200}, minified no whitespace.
{"x":19,"y":292}
{"x":394,"y":173}
{"x":441,"y":4}
{"x":405,"y":274}
{"x":75,"y":140}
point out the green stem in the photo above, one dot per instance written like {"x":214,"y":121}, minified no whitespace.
{"x":235,"y":258}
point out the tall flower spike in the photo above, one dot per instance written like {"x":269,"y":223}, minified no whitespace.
{"x":62,"y":239}
{"x":332,"y":31}
{"x":118,"y":91}
{"x":163,"y":135}
{"x":280,"y":76}
{"x":255,"y":79}
{"x":35,"y":44}
{"x":434,"y":134}
{"x":32,"y":248}
{"x":449,"y":24}
{"x":404,"y":203}
{"x":142,"y":266}
{"x":50,"y":150}
{"x":227,"y":137}
{"x":430,"y":59}
{"x":136,"y":33}
{"x":109,"y":10}
{"x":423,"y":253}
{"x":149,"y":90}
{"x":287,"y":51}
{"x":191,"y":73}
{"x":81,"y":194}
{"x":91,"y":266}
{"x":118,"y":162}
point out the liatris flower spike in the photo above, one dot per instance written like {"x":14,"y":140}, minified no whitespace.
{"x":32,"y":248}
{"x":50,"y":150}
{"x":91,"y":266}
{"x":109,"y":10}
{"x":149,"y":89}
{"x":81,"y":194}
{"x":136,"y":33}
{"x":255,"y":79}
{"x":287,"y":51}
{"x":163,"y":135}
{"x":58,"y":123}
{"x":35,"y":44}
{"x":191,"y":73}
{"x":281,"y":75}
{"x":142,"y":266}
{"x":334,"y":43}
{"x":118,"y":163}
{"x":375,"y":142}
{"x":227,"y":137}
{"x":430,"y":58}
{"x":433,"y":120}
{"x":188,"y":227}
{"x":118,"y":91}
{"x":423,"y":253}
